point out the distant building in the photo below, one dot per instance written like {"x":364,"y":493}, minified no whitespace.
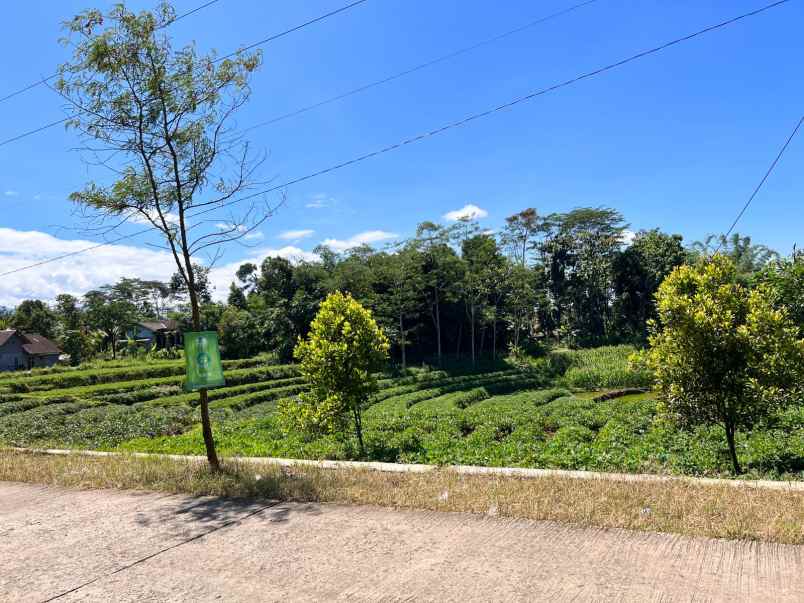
{"x":162,"y":333}
{"x":23,"y":351}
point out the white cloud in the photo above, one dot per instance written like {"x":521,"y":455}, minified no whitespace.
{"x":249,"y":235}
{"x":76,"y":274}
{"x":294,"y":235}
{"x":467,"y":212}
{"x":627,"y":237}
{"x":138,"y":218}
{"x":11,"y":193}
{"x":363,"y":238}
{"x":80,"y":273}
{"x":320,"y":200}
{"x":222,"y":276}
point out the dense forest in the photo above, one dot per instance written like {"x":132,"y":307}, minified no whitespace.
{"x":578,"y":279}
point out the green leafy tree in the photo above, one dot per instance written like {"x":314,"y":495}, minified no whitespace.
{"x":68,"y":312}
{"x":721,"y":353}
{"x":398,"y":282}
{"x":159,"y":118}
{"x":637,"y":272}
{"x":441,"y":274}
{"x":237,"y":297}
{"x":77,"y":345}
{"x":339,"y":358}
{"x":5,"y":318}
{"x":786,"y":276}
{"x":34,"y":316}
{"x":239,"y":333}
{"x":110,"y":315}
{"x":578,"y":252}
{"x":483,"y":263}
{"x":748,"y":257}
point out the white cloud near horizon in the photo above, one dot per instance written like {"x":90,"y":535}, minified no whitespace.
{"x":11,"y":193}
{"x":294,"y":235}
{"x":467,"y":212}
{"x":83,"y":272}
{"x":364,"y":238}
{"x":76,"y":274}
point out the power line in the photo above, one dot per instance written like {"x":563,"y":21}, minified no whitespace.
{"x":50,"y":77}
{"x":77,"y":252}
{"x":762,"y":182}
{"x":217,"y":60}
{"x":516,"y":101}
{"x":452,"y":125}
{"x":292,"y":29}
{"x":419,"y":67}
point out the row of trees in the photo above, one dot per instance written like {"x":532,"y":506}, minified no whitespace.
{"x":456,"y":291}
{"x":94,"y":323}
{"x":574,"y":278}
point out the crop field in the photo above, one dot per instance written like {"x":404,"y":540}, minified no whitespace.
{"x":570,"y":409}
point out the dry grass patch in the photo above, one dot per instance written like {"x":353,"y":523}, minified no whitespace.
{"x":719,"y":511}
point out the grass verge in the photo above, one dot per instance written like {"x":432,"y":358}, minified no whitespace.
{"x":718,"y":511}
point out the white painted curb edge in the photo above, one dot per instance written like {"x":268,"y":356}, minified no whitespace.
{"x":521,"y":472}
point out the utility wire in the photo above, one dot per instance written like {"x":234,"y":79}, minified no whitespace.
{"x":78,"y":252}
{"x":421,"y":66}
{"x":761,"y":182}
{"x":291,"y":30}
{"x":512,"y":103}
{"x":449,"y":126}
{"x":50,"y":77}
{"x":217,"y":60}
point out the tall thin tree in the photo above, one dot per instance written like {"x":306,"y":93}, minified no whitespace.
{"x":159,"y":119}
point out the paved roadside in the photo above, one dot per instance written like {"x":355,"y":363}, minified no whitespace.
{"x":125,"y":546}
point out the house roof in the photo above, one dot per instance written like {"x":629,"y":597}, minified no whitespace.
{"x":160,"y":325}
{"x":36,"y":345}
{"x":32,"y":343}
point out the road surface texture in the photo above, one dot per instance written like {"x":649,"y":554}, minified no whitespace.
{"x":102,"y":545}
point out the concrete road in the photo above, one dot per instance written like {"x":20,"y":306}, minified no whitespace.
{"x":69,"y":545}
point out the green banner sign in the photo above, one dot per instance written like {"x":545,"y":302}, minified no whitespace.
{"x":203,"y":359}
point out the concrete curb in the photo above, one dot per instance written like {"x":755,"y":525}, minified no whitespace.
{"x":520,"y":472}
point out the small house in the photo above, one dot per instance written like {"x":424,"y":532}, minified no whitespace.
{"x":161,"y":333}
{"x":23,"y":351}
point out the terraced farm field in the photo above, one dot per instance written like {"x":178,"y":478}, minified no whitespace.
{"x":557,"y":413}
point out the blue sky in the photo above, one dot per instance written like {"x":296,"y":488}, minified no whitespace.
{"x":676,"y":141}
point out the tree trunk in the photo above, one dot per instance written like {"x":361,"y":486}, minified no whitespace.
{"x":402,"y":340}
{"x":494,"y":337}
{"x":732,"y":449}
{"x":438,"y":327}
{"x":206,"y":425}
{"x":460,"y":336}
{"x":472,"y":333}
{"x":359,"y":430}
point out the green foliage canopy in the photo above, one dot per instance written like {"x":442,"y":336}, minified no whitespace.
{"x":722,"y":353}
{"x":339,"y":358}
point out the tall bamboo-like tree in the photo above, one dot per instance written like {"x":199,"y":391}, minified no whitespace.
{"x":159,"y":118}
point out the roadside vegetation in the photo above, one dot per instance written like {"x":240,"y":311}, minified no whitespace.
{"x":678,"y":506}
